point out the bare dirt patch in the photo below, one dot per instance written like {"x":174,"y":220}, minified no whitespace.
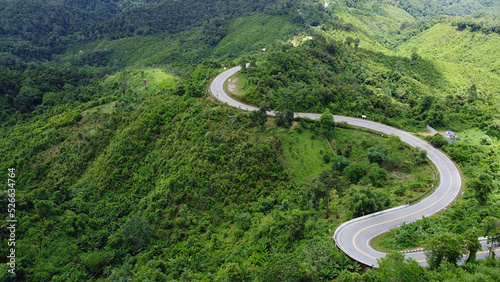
{"x":52,"y":153}
{"x":232,"y":86}
{"x":283,"y":161}
{"x":400,"y":175}
{"x":210,"y":97}
{"x":428,"y":133}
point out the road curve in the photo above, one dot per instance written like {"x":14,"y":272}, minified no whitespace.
{"x":353,"y":237}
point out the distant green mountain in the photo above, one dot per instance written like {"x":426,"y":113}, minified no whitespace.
{"x":38,"y":30}
{"x":445,"y":44}
{"x":185,"y":49}
{"x":431,"y":8}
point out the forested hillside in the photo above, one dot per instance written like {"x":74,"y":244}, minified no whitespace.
{"x":85,"y":171}
{"x":406,"y":71}
{"x":58,"y":47}
{"x":37,"y":30}
{"x":126,"y":169}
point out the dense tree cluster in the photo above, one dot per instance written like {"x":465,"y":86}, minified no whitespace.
{"x":487,"y":22}
{"x":145,"y":172}
{"x":336,"y":78}
{"x":46,"y":85}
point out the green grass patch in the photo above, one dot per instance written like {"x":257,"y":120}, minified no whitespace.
{"x":378,"y":21}
{"x":474,"y":137}
{"x":137,"y":83}
{"x":304,"y":153}
{"x":304,"y":156}
{"x":253,"y":33}
{"x":462,"y":57}
{"x":105,"y":109}
{"x":378,"y":243}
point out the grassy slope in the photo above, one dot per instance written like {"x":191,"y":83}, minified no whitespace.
{"x":464,"y":58}
{"x":252,"y":33}
{"x":157,"y":80}
{"x":377,"y":23}
{"x":442,"y":44}
{"x":304,"y":153}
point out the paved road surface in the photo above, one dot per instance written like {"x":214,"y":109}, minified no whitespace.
{"x":353,"y":237}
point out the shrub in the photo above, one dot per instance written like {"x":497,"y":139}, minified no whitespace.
{"x":326,"y":158}
{"x":438,"y":140}
{"x":377,"y":175}
{"x":378,"y":155}
{"x":354,"y":172}
{"x":243,"y":221}
{"x":400,"y":191}
{"x":339,"y":163}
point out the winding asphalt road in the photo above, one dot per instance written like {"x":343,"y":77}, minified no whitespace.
{"x":353,"y":237}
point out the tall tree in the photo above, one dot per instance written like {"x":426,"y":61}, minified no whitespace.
{"x":321,"y":187}
{"x":314,"y":189}
{"x":491,"y":228}
{"x":472,"y":244}
{"x":444,"y":246}
{"x":364,"y":201}
{"x":331,"y":181}
{"x":260,"y":116}
{"x":284,"y":118}
{"x":482,"y":186}
{"x":327,"y":123}
{"x":395,"y":267}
